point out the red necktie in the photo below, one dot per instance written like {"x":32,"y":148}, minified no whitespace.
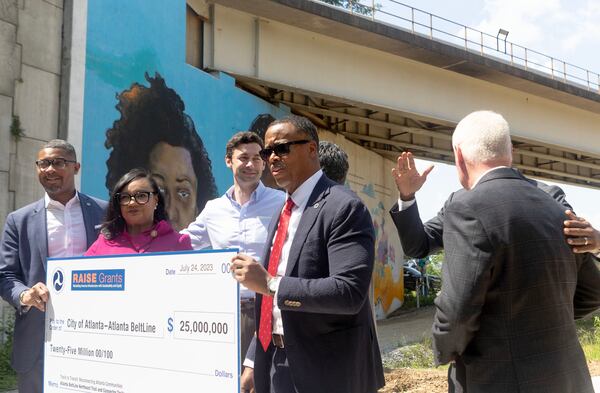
{"x":265,"y":328}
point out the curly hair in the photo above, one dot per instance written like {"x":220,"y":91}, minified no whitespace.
{"x":150,"y":115}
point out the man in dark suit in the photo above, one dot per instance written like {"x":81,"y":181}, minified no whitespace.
{"x":505,"y":314}
{"x":61,"y":224}
{"x":421,"y":239}
{"x":315,"y":330}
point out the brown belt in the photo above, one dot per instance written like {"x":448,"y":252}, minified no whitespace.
{"x":278,"y":340}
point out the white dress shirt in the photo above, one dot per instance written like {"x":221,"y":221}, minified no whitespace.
{"x":66,"y":229}
{"x":300,"y":198}
{"x":224,"y":223}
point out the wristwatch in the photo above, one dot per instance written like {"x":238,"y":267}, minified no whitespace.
{"x":272,"y":285}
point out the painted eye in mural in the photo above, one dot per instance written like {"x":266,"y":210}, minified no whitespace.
{"x":183,"y":194}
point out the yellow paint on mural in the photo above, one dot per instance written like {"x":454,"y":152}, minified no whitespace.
{"x":385,"y":288}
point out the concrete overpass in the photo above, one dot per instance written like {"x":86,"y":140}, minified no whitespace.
{"x":390,"y":88}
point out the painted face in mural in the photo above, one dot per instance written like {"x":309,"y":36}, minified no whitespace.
{"x":246,"y":164}
{"x":172,"y":168}
{"x":156,"y":134}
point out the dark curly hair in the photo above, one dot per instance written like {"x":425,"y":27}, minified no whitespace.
{"x":150,"y":115}
{"x":114,"y":223}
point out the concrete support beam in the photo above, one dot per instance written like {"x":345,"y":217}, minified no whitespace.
{"x":40,"y":30}
{"x":27,"y":185}
{"x":9,"y":11}
{"x":5,"y":202}
{"x":37,"y":103}
{"x":10,"y":58}
{"x":5,"y":136}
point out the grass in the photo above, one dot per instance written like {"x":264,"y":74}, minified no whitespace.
{"x":410,"y":300}
{"x":8,"y":378}
{"x":420,"y":355}
{"x":588,"y":330}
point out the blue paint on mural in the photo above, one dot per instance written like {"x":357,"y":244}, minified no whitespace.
{"x":125,"y":41}
{"x":369,"y":190}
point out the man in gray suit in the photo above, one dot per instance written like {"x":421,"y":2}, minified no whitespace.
{"x":61,"y":224}
{"x":315,"y":330}
{"x":505,"y":314}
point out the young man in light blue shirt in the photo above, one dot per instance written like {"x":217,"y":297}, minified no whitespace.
{"x":240,"y":218}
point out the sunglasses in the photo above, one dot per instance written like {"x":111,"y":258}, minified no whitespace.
{"x":141,"y":197}
{"x":280,"y":149}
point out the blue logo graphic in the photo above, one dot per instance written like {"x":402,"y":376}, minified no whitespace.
{"x":58,"y":279}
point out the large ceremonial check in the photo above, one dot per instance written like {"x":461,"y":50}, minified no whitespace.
{"x":165,"y":322}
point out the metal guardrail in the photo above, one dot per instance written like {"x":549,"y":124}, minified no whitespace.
{"x":435,"y":27}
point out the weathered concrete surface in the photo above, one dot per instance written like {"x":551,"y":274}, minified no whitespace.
{"x":37,"y":102}
{"x":10,"y":58}
{"x":8,"y":11}
{"x":5,"y":137}
{"x":40,"y":31}
{"x":27,"y":186}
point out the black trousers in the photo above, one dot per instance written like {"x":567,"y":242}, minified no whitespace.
{"x":281,"y":377}
{"x":33,"y":380}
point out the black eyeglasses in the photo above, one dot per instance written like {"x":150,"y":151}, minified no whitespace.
{"x":57,"y":163}
{"x":280,"y":149}
{"x":141,"y":197}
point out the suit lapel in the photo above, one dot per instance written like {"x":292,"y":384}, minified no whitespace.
{"x":88,"y":221}
{"x":315,"y":203}
{"x":40,"y":230}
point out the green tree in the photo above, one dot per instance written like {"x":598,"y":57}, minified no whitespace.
{"x":353,"y":5}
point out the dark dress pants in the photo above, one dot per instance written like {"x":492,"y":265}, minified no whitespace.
{"x":32,"y":381}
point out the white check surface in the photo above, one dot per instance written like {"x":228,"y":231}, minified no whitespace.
{"x":147,"y":323}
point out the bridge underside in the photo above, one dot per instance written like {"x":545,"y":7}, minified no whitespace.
{"x":389,"y":132}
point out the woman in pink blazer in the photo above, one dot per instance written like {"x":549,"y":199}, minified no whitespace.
{"x":136,"y":220}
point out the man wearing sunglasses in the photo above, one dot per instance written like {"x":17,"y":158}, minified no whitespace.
{"x":62,"y":224}
{"x":240,"y":219}
{"x":315,"y":330}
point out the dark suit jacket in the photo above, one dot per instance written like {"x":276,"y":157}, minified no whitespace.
{"x":330,"y":339}
{"x":420,"y":239}
{"x":506,"y":308}
{"x":23,"y":253}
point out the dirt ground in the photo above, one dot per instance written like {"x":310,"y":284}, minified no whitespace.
{"x":432,"y":380}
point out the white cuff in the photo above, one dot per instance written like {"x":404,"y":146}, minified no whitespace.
{"x":403,"y":205}
{"x":248,"y":363}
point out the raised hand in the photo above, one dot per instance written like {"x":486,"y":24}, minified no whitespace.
{"x":408,"y":179}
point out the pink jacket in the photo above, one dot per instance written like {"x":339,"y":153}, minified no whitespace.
{"x":162,"y":237}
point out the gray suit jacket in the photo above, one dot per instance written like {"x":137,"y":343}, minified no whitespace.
{"x":23,"y":254}
{"x":330,"y":339}
{"x":420,"y":239}
{"x":506,"y":309}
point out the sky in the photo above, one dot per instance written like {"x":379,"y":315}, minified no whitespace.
{"x":564,"y":29}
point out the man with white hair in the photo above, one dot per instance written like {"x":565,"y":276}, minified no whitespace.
{"x":511,"y":285}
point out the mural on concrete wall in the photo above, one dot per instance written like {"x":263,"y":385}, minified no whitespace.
{"x":367,"y":177}
{"x":145,"y":107}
